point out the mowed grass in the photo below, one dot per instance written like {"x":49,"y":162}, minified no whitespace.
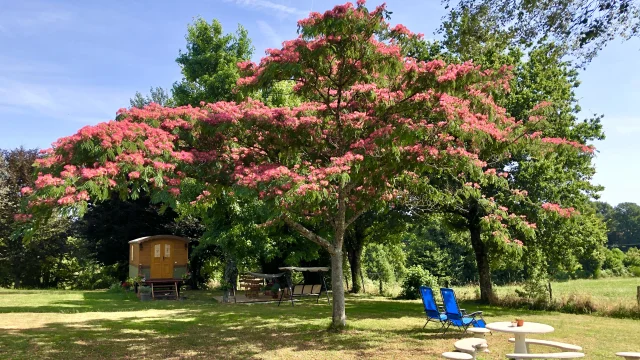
{"x":100,"y":325}
{"x":609,"y":292}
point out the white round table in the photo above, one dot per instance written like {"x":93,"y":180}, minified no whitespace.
{"x":520,"y":332}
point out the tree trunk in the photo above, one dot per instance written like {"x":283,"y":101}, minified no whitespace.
{"x":354,"y":254}
{"x":339,"y":319}
{"x":482,"y":261}
{"x":230,"y":272}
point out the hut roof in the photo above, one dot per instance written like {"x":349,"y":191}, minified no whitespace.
{"x":155,"y":237}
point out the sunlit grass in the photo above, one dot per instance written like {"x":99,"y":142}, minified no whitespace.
{"x":100,"y":325}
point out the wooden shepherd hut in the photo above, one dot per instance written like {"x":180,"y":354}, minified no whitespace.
{"x":159,"y":258}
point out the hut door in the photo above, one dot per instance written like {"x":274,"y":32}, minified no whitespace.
{"x":162,"y":261}
{"x":156,"y":261}
{"x":167,"y":262}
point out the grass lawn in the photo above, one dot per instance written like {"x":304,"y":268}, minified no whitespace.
{"x":100,"y":325}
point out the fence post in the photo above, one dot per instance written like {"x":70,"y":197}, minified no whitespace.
{"x":638,"y":296}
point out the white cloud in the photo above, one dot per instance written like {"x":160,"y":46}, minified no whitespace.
{"x":270,"y":33}
{"x":265,"y":5}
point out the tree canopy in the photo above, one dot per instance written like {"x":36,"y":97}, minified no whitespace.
{"x":209,"y":63}
{"x":580,"y":27}
{"x":374,"y":120}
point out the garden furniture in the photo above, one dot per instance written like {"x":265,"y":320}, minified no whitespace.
{"x":556,"y":344}
{"x":430,"y":307}
{"x":471,"y":346}
{"x":455,"y":315}
{"x":629,"y":355}
{"x":478,"y":332}
{"x":520,"y":332}
{"x":559,"y":355}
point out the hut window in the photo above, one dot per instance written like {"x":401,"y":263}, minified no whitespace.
{"x":167,"y":250}
{"x":157,"y":250}
{"x":131,"y":252}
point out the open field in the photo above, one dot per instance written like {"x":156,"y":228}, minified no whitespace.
{"x":609,"y":292}
{"x":100,"y":325}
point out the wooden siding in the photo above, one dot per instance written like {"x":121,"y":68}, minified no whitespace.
{"x":143,"y":258}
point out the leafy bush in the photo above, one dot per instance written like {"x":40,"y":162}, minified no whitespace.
{"x":535,"y":289}
{"x":635,"y":271}
{"x":93,"y":276}
{"x":116,"y":287}
{"x":614,"y":262}
{"x":632,"y":257}
{"x":416,"y":277}
{"x":144,"y":289}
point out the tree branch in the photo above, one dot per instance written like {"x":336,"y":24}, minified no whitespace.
{"x":357,"y":215}
{"x":309,"y":235}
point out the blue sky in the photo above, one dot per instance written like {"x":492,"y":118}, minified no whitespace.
{"x":66,"y":64}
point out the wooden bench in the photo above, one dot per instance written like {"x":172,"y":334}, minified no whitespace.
{"x":560,"y":355}
{"x":629,"y":355}
{"x":250,"y":285}
{"x":471,"y":346}
{"x":457,"y":355}
{"x":555,"y":344}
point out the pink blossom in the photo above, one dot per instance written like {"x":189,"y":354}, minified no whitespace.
{"x":67,"y":200}
{"x":22,"y":217}
{"x":564,"y":212}
{"x":82,"y":196}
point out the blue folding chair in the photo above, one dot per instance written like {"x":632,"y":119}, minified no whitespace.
{"x":456,"y":316}
{"x":430,"y":307}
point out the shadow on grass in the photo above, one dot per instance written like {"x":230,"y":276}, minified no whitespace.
{"x":206,"y":329}
{"x":202,"y":328}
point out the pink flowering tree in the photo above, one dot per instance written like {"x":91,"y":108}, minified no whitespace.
{"x":487,"y":203}
{"x":373,"y":121}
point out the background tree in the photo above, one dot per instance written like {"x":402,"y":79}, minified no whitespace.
{"x":561,"y":177}
{"x":376,"y":226}
{"x":580,"y":27}
{"x":445,"y":252}
{"x":156,"y":95}
{"x":623,"y":222}
{"x":208,"y":65}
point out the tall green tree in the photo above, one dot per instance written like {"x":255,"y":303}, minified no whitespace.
{"x":623,"y":222}
{"x":209,"y":63}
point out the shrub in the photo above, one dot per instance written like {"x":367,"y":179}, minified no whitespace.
{"x":635,"y":271}
{"x":92,"y":276}
{"x":535,"y":289}
{"x":116,"y":287}
{"x":144,"y":289}
{"x":416,"y":277}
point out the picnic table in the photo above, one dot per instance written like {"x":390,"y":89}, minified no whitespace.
{"x":520,"y":332}
{"x":251,"y":285}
